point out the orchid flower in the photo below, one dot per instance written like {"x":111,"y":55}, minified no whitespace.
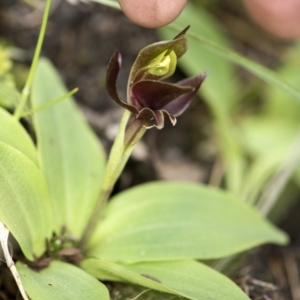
{"x":149,"y":99}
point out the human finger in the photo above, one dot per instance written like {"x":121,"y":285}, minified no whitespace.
{"x":152,"y":13}
{"x":279,"y":17}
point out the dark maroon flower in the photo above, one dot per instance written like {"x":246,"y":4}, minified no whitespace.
{"x":148,"y":98}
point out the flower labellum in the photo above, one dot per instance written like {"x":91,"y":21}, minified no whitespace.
{"x":149,"y":99}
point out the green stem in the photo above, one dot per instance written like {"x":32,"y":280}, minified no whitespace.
{"x":26,"y":90}
{"x":48,"y":104}
{"x":129,"y":134}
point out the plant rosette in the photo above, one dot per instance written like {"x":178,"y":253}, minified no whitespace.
{"x":152,"y":235}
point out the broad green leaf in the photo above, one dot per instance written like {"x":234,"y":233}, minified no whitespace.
{"x":164,"y":221}
{"x":186,"y":278}
{"x":13,"y":134}
{"x":24,"y":201}
{"x":220,"y":88}
{"x":71,"y":157}
{"x":61,"y":281}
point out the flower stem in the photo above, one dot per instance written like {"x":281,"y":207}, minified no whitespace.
{"x":130,"y":132}
{"x":26,"y":90}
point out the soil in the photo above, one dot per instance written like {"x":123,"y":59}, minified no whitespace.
{"x":80,"y":40}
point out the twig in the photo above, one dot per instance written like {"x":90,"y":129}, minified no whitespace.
{"x":263,"y":284}
{"x":292,"y":274}
{"x":4,"y":233}
{"x":140,"y":294}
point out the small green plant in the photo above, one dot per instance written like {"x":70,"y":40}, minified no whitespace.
{"x":54,"y":195}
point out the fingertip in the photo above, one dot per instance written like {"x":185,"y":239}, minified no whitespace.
{"x":152,"y":13}
{"x":281,"y":18}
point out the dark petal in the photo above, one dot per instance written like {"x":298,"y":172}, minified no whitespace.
{"x":111,"y":81}
{"x":147,"y":116}
{"x":178,"y":106}
{"x":172,"y":119}
{"x":147,"y":54}
{"x":151,"y":118}
{"x":160,"y":119}
{"x":155,"y":94}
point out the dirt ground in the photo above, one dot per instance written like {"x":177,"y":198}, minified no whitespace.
{"x":80,"y":40}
